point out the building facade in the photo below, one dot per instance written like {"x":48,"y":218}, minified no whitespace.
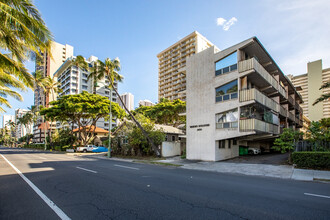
{"x":237,"y":98}
{"x":47,"y":65}
{"x":128,"y":99}
{"x":6,"y":119}
{"x":75,"y":80}
{"x":172,"y":65}
{"x":309,"y":86}
{"x":22,"y":130}
{"x":145,"y":103}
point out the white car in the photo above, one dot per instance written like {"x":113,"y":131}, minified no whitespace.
{"x":254,"y":151}
{"x":87,"y":148}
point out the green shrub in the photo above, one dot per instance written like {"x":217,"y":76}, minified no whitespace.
{"x":318,"y":160}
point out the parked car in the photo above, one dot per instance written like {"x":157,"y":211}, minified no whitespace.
{"x":100,"y":149}
{"x":87,"y":148}
{"x":254,"y":151}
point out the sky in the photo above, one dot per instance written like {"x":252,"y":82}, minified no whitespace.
{"x":294,"y":33}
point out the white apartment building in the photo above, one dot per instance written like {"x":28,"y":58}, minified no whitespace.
{"x":6,"y":119}
{"x":145,"y":103}
{"x":48,"y":65}
{"x":172,"y":65}
{"x":128,"y":99}
{"x":237,"y":98}
{"x":22,"y":130}
{"x":75,"y":80}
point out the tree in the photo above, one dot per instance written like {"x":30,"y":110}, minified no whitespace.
{"x":110,"y":68}
{"x":22,"y":32}
{"x":165,"y":112}
{"x":96,"y":74}
{"x":325,"y":96}
{"x":82,"y":109}
{"x":51,"y":87}
{"x":80,"y":63}
{"x":318,"y":134}
{"x":26,"y":120}
{"x":286,"y":141}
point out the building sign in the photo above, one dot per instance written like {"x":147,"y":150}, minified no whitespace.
{"x":199,"y":126}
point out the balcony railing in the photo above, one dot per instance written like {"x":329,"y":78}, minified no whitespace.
{"x":222,"y":125}
{"x":257,"y":125}
{"x":254,"y":94}
{"x":291,"y":116}
{"x":283,"y":112}
{"x":290,"y":99}
{"x":253,"y":64}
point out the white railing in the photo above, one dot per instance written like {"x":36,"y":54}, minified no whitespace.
{"x":222,"y":125}
{"x":257,"y":125}
{"x":254,"y":94}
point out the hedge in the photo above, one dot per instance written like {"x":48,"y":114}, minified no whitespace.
{"x":309,"y":159}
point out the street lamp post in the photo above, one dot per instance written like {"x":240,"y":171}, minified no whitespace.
{"x":110,"y":121}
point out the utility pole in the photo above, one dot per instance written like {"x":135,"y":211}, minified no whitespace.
{"x":110,"y":121}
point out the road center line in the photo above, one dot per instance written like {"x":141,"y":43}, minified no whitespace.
{"x":92,"y":171}
{"x":49,"y":202}
{"x":322,"y":196}
{"x":133,"y":168}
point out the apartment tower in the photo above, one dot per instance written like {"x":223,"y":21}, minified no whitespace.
{"x":75,"y":80}
{"x":47,"y":65}
{"x":172,"y":65}
{"x":309,"y":85}
{"x":236,"y":99}
{"x":128,"y":99}
{"x":22,"y":130}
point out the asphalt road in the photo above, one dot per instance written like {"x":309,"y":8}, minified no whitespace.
{"x":85,"y":188}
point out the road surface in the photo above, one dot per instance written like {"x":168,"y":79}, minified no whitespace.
{"x":60,"y":186}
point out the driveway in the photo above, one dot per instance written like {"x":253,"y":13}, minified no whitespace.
{"x":271,"y":158}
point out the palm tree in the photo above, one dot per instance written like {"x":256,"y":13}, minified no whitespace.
{"x":51,"y":87}
{"x":111,"y":69}
{"x":80,"y":63}
{"x":22,"y":32}
{"x":325,"y":96}
{"x":96,"y":74}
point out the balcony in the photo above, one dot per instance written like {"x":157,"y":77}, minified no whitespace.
{"x":283,"y":112}
{"x":291,"y":116}
{"x":257,"y":125}
{"x":254,"y":94}
{"x":253,"y":64}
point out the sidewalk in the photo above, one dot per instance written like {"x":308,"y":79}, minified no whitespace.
{"x":266,"y":170}
{"x":277,"y":171}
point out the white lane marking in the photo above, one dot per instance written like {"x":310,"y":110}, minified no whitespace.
{"x":92,"y":171}
{"x":322,"y":196}
{"x":43,"y":158}
{"x":133,"y":168}
{"x":49,"y":202}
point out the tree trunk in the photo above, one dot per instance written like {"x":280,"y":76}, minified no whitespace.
{"x":137,"y":123}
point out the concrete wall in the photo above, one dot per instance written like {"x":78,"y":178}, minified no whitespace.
{"x":170,"y":149}
{"x":200,"y":102}
{"x":314,"y":75}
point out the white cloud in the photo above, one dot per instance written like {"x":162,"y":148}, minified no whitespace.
{"x":221,"y":21}
{"x":226,"y":25}
{"x":231,"y":22}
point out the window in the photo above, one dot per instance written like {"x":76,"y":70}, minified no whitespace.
{"x":226,"y":92}
{"x":227,"y":119}
{"x":234,"y":142}
{"x":226,"y":65}
{"x":222,"y":144}
{"x":229,"y":144}
{"x":173,"y":138}
{"x":84,"y":87}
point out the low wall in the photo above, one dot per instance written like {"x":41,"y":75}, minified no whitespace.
{"x":170,"y":149}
